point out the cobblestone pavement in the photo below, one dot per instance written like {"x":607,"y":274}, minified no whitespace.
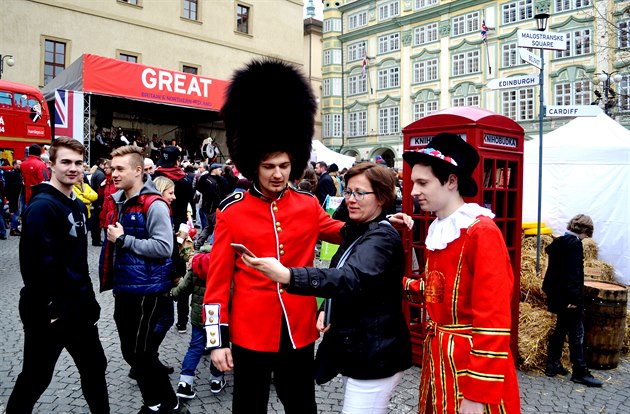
{"x":538,"y":393}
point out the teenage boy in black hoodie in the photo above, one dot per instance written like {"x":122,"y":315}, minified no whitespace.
{"x":57,"y":304}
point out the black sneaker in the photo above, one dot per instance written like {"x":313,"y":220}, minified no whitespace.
{"x":185,"y":391}
{"x":181,"y":328}
{"x":586,"y":378}
{"x":552,"y":371}
{"x":217,"y":385}
{"x":15,"y":232}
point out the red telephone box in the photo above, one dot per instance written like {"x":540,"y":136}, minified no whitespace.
{"x":499,"y":177}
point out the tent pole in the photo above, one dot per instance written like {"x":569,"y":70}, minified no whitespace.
{"x":541,"y":114}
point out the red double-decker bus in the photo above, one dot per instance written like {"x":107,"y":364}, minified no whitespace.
{"x":24,"y":120}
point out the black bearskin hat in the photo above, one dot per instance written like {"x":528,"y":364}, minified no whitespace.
{"x":269,"y":107}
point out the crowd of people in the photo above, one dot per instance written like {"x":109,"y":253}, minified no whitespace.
{"x":260,"y":217}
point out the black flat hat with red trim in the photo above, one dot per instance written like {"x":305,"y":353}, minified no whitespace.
{"x":269,"y":108}
{"x":451,"y":149}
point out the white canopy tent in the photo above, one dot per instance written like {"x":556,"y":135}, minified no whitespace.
{"x":322,"y":153}
{"x":586,"y":169}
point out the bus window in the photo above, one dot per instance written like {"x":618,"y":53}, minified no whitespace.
{"x":6,"y":99}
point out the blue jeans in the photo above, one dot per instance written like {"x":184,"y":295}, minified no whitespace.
{"x":194,"y":354}
{"x":15,"y":220}
{"x":3,"y":228}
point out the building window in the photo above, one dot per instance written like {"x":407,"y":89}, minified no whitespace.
{"x":242,"y":18}
{"x":190,"y":9}
{"x":357,"y":84}
{"x":332,"y":25}
{"x":127,"y":57}
{"x":388,"y":10}
{"x":190,"y":69}
{"x":134,"y":2}
{"x":388,"y":121}
{"x":331,"y":125}
{"x":576,"y":93}
{"x":388,"y":78}
{"x":54,"y":59}
{"x":422,"y":109}
{"x":510,"y":56}
{"x":357,"y":20}
{"x":357,"y":124}
{"x":624,"y":93}
{"x":517,"y":11}
{"x":565,"y":5}
{"x":470,"y":100}
{"x":518,"y":104}
{"x":425,"y":71}
{"x":465,"y":63}
{"x":357,"y":51}
{"x":389,"y":43}
{"x":578,"y":43}
{"x":332,"y":57}
{"x":425,"y":34}
{"x":465,"y":24}
{"x":421,"y":4}
{"x":331,"y":87}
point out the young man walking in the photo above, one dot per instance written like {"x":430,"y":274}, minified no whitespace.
{"x":136,"y":263}
{"x":57,"y":304}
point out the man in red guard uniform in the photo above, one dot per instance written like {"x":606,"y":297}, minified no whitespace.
{"x":270,"y":329}
{"x":467,"y":364}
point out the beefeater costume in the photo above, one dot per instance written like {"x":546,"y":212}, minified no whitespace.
{"x":260,"y":319}
{"x":467,"y":289}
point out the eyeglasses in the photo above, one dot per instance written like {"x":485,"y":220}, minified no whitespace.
{"x":358,"y":195}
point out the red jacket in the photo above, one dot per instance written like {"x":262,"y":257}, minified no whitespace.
{"x":286,"y":228}
{"x":34,"y":171}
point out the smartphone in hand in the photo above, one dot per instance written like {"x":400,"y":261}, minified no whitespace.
{"x":327,"y":311}
{"x":242,"y":249}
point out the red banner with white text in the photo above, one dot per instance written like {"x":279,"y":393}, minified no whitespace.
{"x":107,"y":76}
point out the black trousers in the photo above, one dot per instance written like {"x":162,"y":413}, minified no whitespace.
{"x":43,"y":343}
{"x":95,"y":225}
{"x":293,"y":374}
{"x":569,"y":322}
{"x":136,"y":318}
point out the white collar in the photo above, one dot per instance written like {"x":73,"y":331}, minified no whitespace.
{"x":443,"y":231}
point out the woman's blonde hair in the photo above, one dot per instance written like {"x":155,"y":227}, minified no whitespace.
{"x":163,"y":183}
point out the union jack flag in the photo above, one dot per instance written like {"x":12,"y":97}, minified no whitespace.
{"x":69,"y":114}
{"x":484,"y":31}
{"x":364,"y":66}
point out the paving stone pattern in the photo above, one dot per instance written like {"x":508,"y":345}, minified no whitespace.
{"x":539,"y":394}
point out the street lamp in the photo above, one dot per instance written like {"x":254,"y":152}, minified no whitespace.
{"x":541,"y":24}
{"x":10,"y":62}
{"x":610,"y":97}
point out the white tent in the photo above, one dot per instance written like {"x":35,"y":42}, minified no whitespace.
{"x":586,"y":169}
{"x":322,"y":153}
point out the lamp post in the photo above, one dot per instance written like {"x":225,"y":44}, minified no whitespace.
{"x":541,"y":24}
{"x":10,"y":62}
{"x":608,"y":79}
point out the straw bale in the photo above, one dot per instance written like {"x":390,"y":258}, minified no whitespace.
{"x":625,"y":347}
{"x":534,"y":327}
{"x":528,"y":243}
{"x":531,"y":283}
{"x":596,"y":269}
{"x":591,"y":250}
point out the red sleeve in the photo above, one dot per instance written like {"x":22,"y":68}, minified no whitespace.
{"x":413,"y":289}
{"x":492,"y":288}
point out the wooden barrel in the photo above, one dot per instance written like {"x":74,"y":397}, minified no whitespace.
{"x":605,"y":309}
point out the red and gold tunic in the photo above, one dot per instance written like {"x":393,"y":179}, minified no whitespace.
{"x":468,"y":292}
{"x":286,"y":228}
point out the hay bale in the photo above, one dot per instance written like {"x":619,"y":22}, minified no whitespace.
{"x":625,"y":347}
{"x":528,"y":243}
{"x":531,"y":283}
{"x":534,"y":327}
{"x":591,"y":251}
{"x":596,"y":269}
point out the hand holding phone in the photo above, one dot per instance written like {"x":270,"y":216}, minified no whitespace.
{"x":241,"y":249}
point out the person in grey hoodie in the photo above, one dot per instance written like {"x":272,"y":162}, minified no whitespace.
{"x":136,"y":263}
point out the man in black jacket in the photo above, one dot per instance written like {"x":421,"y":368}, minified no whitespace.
{"x":95,"y":182}
{"x":212,"y":189}
{"x":14,"y":189}
{"x":564,"y":286}
{"x":325,"y":186}
{"x":57,"y":306}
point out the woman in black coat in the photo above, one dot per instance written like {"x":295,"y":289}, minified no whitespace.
{"x":367,"y":339}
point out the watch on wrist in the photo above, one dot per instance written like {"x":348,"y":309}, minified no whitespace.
{"x":120,"y":241}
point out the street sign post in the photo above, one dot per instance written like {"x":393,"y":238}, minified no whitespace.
{"x":513,"y":82}
{"x":541,"y":40}
{"x":572,"y":110}
{"x":530,"y":58}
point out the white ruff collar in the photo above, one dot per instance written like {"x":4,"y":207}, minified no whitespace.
{"x":444,"y":231}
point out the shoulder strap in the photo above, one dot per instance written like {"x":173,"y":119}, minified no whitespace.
{"x":145,"y":200}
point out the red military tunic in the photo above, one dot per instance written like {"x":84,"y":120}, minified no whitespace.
{"x":468,"y":292}
{"x":286,"y":228}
